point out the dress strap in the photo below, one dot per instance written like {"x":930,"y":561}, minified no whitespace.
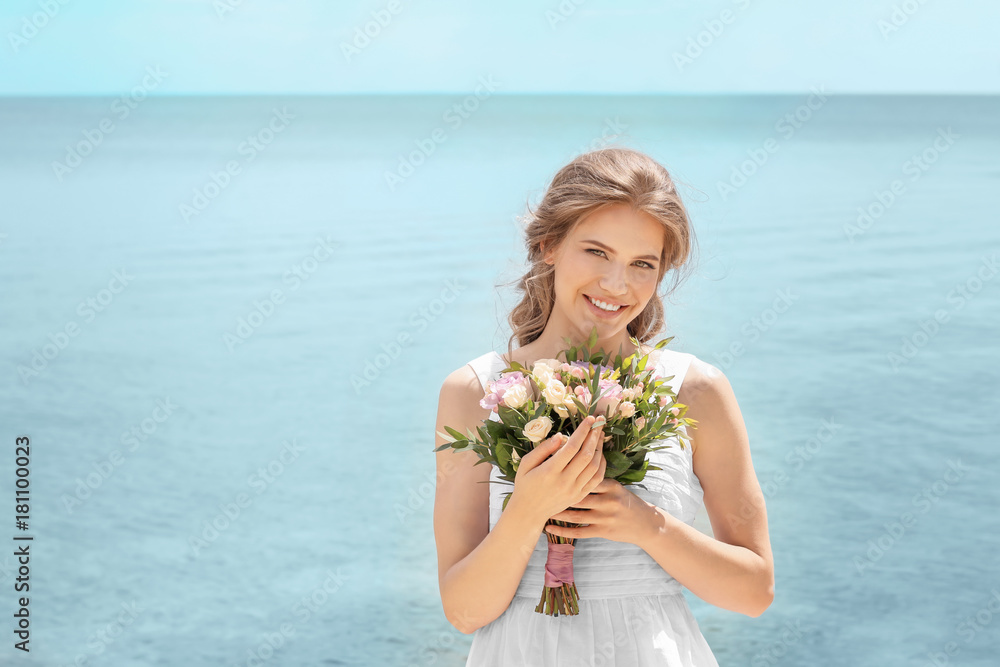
{"x":677,"y":364}
{"x":487,"y":367}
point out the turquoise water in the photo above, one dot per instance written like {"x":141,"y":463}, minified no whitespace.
{"x":269,"y":358}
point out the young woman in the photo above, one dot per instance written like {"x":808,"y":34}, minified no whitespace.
{"x":607,"y":231}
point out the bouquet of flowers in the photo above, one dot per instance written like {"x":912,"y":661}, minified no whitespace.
{"x":555,"y":397}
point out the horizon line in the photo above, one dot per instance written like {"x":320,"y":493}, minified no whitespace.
{"x":511,"y":94}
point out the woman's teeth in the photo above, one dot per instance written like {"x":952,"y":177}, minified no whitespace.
{"x":604,"y":306}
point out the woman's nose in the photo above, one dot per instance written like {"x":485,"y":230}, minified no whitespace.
{"x":613,"y":281}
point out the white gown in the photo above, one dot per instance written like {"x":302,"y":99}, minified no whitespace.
{"x":632,"y":613}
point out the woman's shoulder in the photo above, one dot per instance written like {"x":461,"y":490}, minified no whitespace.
{"x":702,"y":380}
{"x":467,"y":382}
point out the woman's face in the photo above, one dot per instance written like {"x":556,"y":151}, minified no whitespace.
{"x":613,"y":256}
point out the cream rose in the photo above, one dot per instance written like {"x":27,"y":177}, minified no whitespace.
{"x":554,"y":392}
{"x":542,"y":373}
{"x":554,"y":364}
{"x":537,"y":429}
{"x":516,"y":396}
{"x":515,"y":458}
{"x":626,"y":408}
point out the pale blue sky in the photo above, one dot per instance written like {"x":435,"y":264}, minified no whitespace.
{"x":600,"y":46}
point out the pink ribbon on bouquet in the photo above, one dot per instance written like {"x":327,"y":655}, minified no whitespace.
{"x":559,"y":565}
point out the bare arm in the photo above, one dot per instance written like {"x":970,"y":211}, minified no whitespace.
{"x":735,"y":570}
{"x":478,"y":570}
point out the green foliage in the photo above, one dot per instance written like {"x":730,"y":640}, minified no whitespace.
{"x":627,"y":447}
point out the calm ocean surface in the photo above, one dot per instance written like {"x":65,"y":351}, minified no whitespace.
{"x":230,"y":379}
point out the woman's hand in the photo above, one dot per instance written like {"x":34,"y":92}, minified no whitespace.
{"x":560,"y":472}
{"x":611,"y":511}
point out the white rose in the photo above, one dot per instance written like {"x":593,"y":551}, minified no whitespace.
{"x":542,"y":373}
{"x":550,"y":363}
{"x":570,"y":405}
{"x":516,"y":396}
{"x":561,"y":411}
{"x":537,"y":429}
{"x":555,"y":392}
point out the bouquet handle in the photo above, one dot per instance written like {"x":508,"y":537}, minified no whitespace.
{"x":559,"y":595}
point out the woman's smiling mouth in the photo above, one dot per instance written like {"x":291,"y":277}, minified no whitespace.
{"x":603,"y":311}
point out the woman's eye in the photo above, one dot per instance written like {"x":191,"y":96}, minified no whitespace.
{"x":645,"y":265}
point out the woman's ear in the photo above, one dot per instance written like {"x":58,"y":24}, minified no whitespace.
{"x":545,"y":258}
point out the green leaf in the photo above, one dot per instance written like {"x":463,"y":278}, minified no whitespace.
{"x":455,"y":434}
{"x":503,"y":456}
{"x":632,"y":476}
{"x":617,"y":460}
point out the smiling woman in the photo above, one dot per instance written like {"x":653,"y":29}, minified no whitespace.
{"x":608,"y":230}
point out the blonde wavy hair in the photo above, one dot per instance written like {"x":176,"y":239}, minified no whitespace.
{"x":591,"y":181}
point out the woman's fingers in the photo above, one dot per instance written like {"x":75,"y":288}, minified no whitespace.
{"x":588,"y":452}
{"x":593,"y":473}
{"x":565,"y":454}
{"x":539,"y":453}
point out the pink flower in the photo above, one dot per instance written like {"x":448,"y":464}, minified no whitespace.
{"x":497,"y":389}
{"x":611,"y":395}
{"x":583,"y":394}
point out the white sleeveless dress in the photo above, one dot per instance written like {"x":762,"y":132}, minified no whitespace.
{"x":632,"y":613}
